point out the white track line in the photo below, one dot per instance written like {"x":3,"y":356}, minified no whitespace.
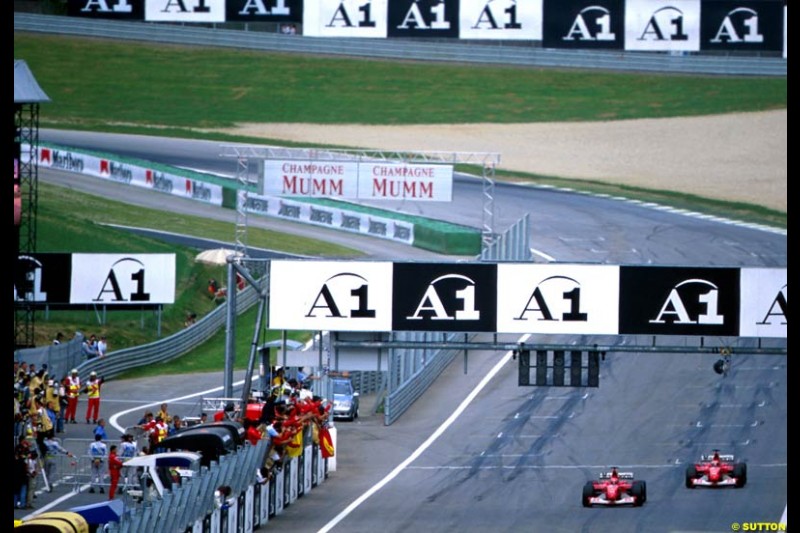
{"x":424,"y":446}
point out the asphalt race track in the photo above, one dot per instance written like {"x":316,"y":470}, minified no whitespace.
{"x":516,"y":458}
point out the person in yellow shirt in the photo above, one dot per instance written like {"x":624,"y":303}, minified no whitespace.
{"x":164,"y":414}
{"x":93,"y":392}
{"x":280,"y":377}
{"x":51,"y":397}
{"x":72,"y":386}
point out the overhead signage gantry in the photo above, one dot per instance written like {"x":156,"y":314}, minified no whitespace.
{"x":264,"y":171}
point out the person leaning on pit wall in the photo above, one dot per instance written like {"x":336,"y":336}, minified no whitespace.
{"x":89,"y":348}
{"x":102,"y":347}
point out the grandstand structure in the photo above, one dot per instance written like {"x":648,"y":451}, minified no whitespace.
{"x":28,"y":95}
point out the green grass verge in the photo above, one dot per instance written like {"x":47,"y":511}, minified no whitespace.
{"x":210,"y":357}
{"x":72,"y":221}
{"x":99,"y":83}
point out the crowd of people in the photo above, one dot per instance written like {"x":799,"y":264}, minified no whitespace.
{"x":39,"y":405}
{"x":289,"y":409}
{"x":44,"y":406}
{"x":92,"y":347}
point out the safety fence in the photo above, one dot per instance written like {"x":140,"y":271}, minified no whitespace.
{"x":74,"y":471}
{"x":189,"y":505}
{"x":412,"y":371}
{"x":59,"y":358}
{"x":68,"y":355}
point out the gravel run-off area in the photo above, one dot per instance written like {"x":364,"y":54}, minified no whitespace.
{"x":740,"y":157}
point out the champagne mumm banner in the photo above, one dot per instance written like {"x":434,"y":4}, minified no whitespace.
{"x":370,"y":180}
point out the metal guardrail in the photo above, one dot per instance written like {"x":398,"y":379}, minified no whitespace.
{"x":187,"y":506}
{"x":194,"y":498}
{"x":60,"y":359}
{"x":512,"y":244}
{"x":498,"y":53}
{"x":413,"y":370}
{"x":120,"y":361}
{"x":176,"y":345}
{"x":368,"y":381}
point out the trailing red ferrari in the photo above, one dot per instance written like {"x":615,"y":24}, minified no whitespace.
{"x":615,"y":488}
{"x":716,"y":470}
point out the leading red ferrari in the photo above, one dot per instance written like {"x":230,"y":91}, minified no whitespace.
{"x":615,"y":488}
{"x":716,"y":470}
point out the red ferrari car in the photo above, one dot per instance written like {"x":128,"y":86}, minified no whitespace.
{"x":615,"y":488}
{"x":716,"y":470}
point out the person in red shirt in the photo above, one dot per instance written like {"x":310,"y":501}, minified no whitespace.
{"x":252,"y":434}
{"x":114,"y":470}
{"x":156,"y":430}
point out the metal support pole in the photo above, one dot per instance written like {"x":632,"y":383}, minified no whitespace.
{"x":230,"y":328}
{"x":253,"y":349}
{"x":466,"y":353}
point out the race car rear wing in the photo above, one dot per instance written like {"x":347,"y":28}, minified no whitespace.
{"x":726,"y":457}
{"x":620,"y":475}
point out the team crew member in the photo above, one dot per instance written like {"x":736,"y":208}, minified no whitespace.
{"x":73,"y":388}
{"x":54,"y":448}
{"x":98,"y":451}
{"x":114,"y":470}
{"x":128,"y":451}
{"x":93,"y":392}
{"x":165,"y":416}
{"x":157,"y":430}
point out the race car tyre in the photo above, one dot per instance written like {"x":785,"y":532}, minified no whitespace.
{"x":588,"y":493}
{"x":691,"y":474}
{"x":740,"y":474}
{"x":644,"y":491}
{"x":638,"y":492}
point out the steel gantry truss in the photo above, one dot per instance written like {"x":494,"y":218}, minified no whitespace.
{"x":26,"y":133}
